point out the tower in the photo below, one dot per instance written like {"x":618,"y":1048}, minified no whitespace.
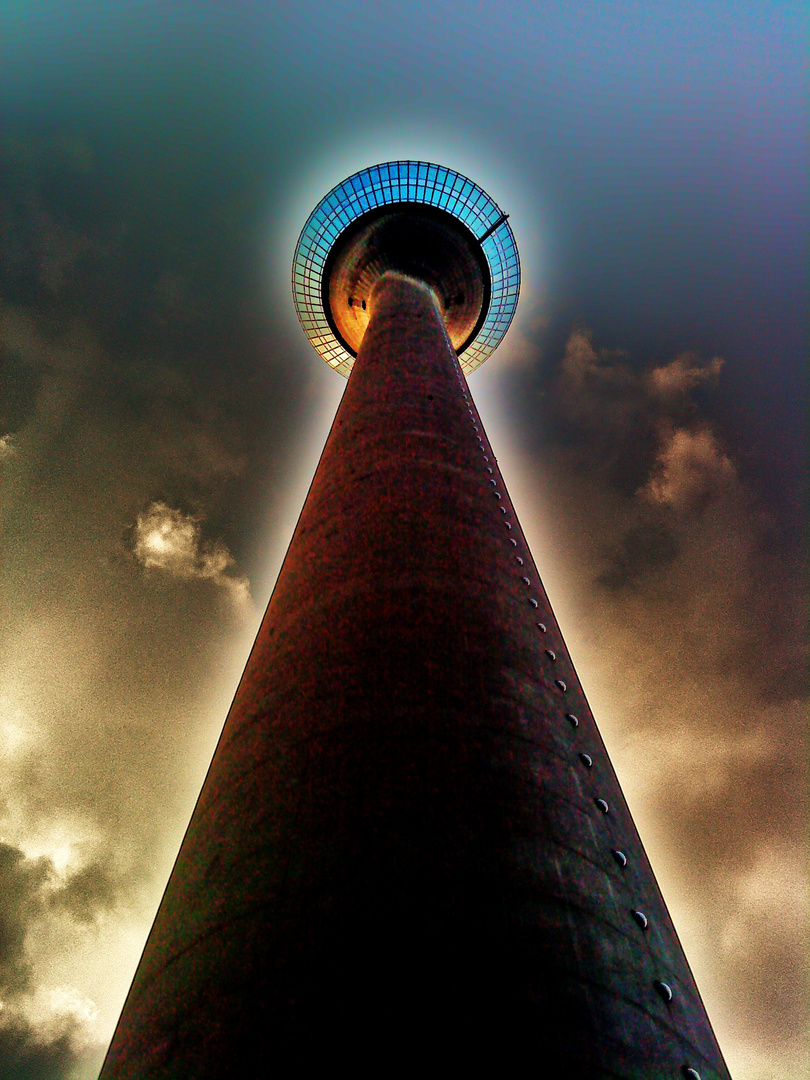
{"x":411,"y":851}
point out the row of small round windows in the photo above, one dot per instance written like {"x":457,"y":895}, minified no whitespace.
{"x":663,"y":989}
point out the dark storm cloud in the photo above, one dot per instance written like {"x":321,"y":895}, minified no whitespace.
{"x":29,"y":889}
{"x":25,"y":1057}
{"x":648,"y":433}
{"x":33,"y":1047}
{"x":614,"y":415}
{"x":21,"y":887}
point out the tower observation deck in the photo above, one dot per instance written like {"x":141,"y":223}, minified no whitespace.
{"x":411,"y":851}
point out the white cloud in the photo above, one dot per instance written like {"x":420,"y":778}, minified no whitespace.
{"x":171,"y":541}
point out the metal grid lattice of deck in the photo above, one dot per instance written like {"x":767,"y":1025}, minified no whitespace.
{"x":383,"y":185}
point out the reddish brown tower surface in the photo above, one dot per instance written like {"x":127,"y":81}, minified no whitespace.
{"x":411,"y":851}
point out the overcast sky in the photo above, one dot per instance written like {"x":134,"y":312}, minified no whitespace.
{"x":162,"y":414}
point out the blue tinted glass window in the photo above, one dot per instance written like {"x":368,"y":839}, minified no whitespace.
{"x":384,"y":184}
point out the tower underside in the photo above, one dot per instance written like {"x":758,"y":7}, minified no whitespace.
{"x":411,"y":848}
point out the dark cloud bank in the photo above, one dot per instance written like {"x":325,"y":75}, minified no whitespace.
{"x":46,"y":1047}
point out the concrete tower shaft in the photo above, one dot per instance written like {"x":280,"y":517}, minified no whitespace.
{"x":411,"y":849}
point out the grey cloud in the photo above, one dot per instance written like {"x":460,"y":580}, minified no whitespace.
{"x":22,"y":885}
{"x":44,"y":1032}
{"x":26,"y":1056}
{"x":57,"y":1051}
{"x":29,"y":889}
{"x":47,"y":249}
{"x":610,"y":407}
{"x":86,"y":893}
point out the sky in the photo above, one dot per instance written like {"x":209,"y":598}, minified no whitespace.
{"x":162,"y":414}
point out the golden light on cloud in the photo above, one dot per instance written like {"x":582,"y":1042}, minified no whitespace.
{"x":168,"y":540}
{"x":56,"y":846}
{"x":15,"y":728}
{"x":691,"y":468}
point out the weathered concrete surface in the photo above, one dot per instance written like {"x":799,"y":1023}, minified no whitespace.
{"x":397,"y":860}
